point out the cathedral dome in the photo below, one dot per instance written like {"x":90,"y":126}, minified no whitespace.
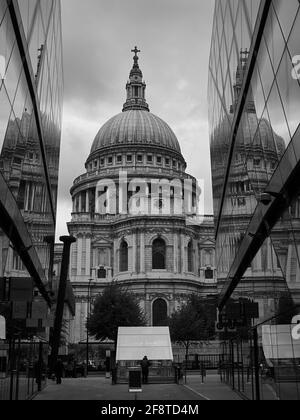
{"x":136,"y":127}
{"x":250,"y":135}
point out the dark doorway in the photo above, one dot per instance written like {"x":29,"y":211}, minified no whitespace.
{"x":159,"y":313}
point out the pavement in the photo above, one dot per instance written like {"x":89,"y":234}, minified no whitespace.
{"x":100,"y":389}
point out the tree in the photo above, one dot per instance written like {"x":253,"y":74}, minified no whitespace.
{"x":194,"y":321}
{"x":114,"y":308}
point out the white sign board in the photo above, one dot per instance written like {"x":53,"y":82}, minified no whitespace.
{"x":135,"y":343}
{"x":2,"y":328}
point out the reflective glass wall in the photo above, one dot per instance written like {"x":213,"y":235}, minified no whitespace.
{"x":31,"y":88}
{"x":254,"y":131}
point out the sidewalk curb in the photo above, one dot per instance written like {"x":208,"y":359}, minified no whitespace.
{"x":196,"y":392}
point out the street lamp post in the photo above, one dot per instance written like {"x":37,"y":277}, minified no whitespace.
{"x":87,"y":330}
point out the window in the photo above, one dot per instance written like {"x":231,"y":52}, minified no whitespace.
{"x":256,"y":162}
{"x":149,"y":159}
{"x":174,"y":164}
{"x":209,"y":274}
{"x":123,"y":257}
{"x":102,"y":162}
{"x":129,"y":158}
{"x":159,"y":254}
{"x":17,"y":160}
{"x":273,"y":165}
{"x":167,"y":161}
{"x":95,"y":164}
{"x":110,"y":160}
{"x":17,"y":262}
{"x":190,"y":257}
{"x":101,"y":273}
{"x":140,"y":158}
{"x":21,"y":195}
{"x":136,"y":91}
{"x":159,"y":160}
{"x":119,"y":159}
{"x":159,"y":313}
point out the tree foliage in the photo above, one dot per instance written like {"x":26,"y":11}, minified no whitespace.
{"x":194,"y":321}
{"x":114,"y":308}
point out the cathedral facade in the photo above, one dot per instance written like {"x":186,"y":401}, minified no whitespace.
{"x":136,"y":217}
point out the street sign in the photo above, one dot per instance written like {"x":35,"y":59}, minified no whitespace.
{"x":2,"y":328}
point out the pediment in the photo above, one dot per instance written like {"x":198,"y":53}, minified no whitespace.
{"x":101,"y":241}
{"x":207,"y":242}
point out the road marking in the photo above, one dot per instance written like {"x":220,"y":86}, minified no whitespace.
{"x":200,"y":395}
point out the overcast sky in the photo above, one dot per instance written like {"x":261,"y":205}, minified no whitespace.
{"x":98,"y":36}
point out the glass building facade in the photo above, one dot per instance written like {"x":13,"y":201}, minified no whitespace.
{"x":31,"y":89}
{"x":254,"y":100}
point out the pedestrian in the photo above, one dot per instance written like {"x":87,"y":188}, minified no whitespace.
{"x":37,"y":368}
{"x":145,"y":363}
{"x":58,"y":370}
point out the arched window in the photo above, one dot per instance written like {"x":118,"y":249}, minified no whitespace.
{"x":190,"y":257}
{"x":159,"y":313}
{"x":159,"y":254}
{"x":123,"y":257}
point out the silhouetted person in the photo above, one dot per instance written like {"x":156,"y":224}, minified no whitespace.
{"x":145,"y":369}
{"x":58,"y":370}
{"x":37,"y":367}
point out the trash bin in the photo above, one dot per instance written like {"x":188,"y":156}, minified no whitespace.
{"x":135,"y":379}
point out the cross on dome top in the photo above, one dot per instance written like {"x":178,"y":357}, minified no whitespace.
{"x":136,"y":87}
{"x":136,"y":57}
{"x":136,"y":50}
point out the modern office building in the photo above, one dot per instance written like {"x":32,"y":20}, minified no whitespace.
{"x":143,"y":238}
{"x":254,"y":99}
{"x":31,"y":91}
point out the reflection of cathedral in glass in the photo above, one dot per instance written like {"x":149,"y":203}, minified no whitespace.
{"x":157,"y":255}
{"x":30,"y":119}
{"x":254,"y":129}
{"x":258,"y":150}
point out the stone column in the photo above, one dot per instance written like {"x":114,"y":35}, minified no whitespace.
{"x":289,"y":264}
{"x":115,"y":257}
{"x":87,"y":207}
{"x":142,"y":253}
{"x":79,"y":255}
{"x":27,"y":196}
{"x":134,"y":251}
{"x":175,"y":251}
{"x":182,"y":257}
{"x":80,"y":202}
{"x":271,"y":261}
{"x":196,"y":257}
{"x":88,"y":256}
